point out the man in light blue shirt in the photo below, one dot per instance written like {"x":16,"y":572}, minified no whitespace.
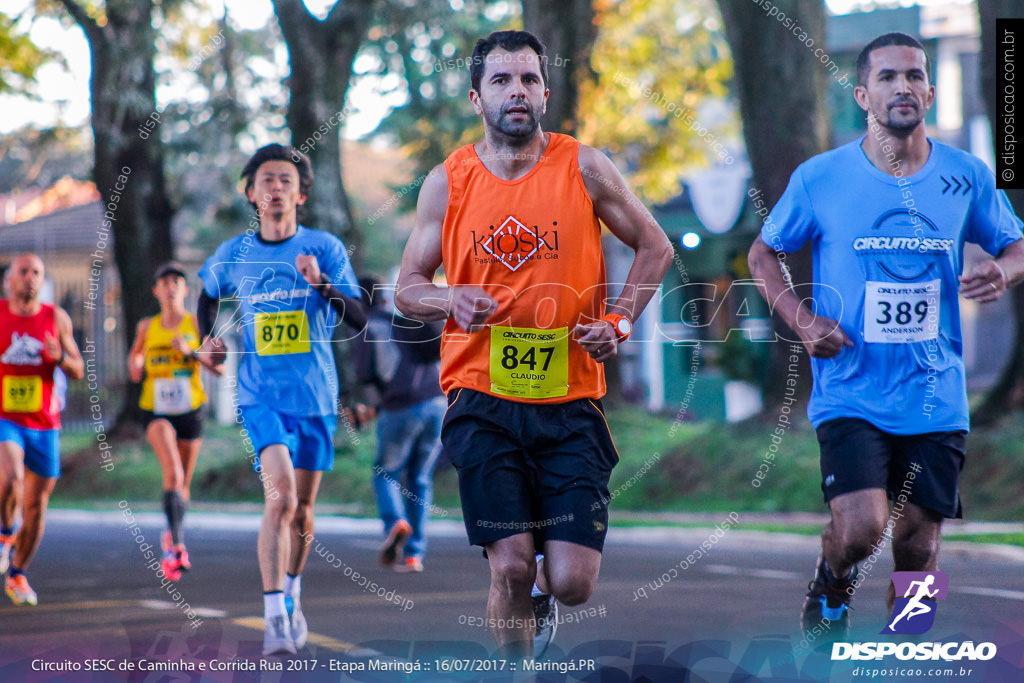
{"x":289,"y":282}
{"x":887,"y":217}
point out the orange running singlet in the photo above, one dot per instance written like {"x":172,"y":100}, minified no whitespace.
{"x":534,"y":245}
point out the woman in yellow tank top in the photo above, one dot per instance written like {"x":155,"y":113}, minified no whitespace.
{"x":163,"y":357}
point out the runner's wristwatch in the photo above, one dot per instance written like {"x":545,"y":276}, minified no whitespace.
{"x":623,"y":326}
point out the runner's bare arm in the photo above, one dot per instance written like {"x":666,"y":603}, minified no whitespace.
{"x":137,"y":355}
{"x":179,"y":344}
{"x":417,"y":296}
{"x":351,"y":310}
{"x":988,"y":280}
{"x":71,"y":362}
{"x":210,"y":361}
{"x":822,"y":337}
{"x":630,"y":221}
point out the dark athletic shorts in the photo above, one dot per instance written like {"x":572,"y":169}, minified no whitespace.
{"x":187,"y":426}
{"x":522,"y":467}
{"x":922,"y":468}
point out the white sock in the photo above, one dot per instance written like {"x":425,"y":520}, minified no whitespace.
{"x":273,"y":605}
{"x":537,"y":591}
{"x":293,"y":587}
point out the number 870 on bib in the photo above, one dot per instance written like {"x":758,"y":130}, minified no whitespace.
{"x":281,"y":332}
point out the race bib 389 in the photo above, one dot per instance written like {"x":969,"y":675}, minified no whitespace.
{"x":896,"y":313}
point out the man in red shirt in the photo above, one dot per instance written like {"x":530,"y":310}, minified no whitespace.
{"x":35,"y":339}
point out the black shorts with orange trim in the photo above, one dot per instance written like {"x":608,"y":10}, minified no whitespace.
{"x":539,"y":468}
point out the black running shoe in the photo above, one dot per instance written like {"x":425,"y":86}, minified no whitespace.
{"x":826,"y":607}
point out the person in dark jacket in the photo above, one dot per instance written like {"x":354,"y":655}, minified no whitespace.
{"x":399,"y":359}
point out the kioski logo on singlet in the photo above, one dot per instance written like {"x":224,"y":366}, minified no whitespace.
{"x":513,"y":244}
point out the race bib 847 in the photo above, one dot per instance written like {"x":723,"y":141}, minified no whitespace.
{"x":529,"y":363}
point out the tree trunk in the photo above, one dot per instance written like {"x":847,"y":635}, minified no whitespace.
{"x":782,"y":127}
{"x":128,"y":167}
{"x":568,"y":31}
{"x":1008,"y":392}
{"x":321,"y":55}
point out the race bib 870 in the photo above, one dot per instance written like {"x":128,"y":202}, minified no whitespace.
{"x":897,"y":313}
{"x":281,"y":332}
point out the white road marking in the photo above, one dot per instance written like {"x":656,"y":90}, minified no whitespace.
{"x":198,"y":611}
{"x":730,"y":570}
{"x":256,"y":623}
{"x":992,"y":592}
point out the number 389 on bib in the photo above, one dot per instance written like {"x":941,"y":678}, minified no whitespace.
{"x":896,"y":313}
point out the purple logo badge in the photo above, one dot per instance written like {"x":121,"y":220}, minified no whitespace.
{"x":917,"y":594}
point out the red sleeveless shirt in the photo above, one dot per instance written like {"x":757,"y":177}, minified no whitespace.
{"x":26,"y":376}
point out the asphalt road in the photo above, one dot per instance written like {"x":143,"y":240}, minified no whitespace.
{"x":730,"y":615}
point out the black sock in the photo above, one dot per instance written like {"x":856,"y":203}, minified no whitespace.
{"x":831,"y":578}
{"x":174,"y":508}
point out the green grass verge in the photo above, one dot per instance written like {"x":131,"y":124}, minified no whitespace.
{"x":136,"y":476}
{"x":710,"y":467}
{"x":664,"y":467}
{"x":1003,"y":539}
{"x":223,"y":473}
{"x":801,"y":529}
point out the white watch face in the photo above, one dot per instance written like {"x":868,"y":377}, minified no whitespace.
{"x":624,"y":326}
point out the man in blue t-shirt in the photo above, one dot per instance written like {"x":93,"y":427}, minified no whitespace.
{"x":887,"y":217}
{"x":288,"y":282}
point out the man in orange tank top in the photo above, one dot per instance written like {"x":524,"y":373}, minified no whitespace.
{"x":35,"y":339}
{"x":516,"y":221}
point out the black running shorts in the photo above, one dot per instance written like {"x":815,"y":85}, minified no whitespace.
{"x":187,"y":426}
{"x":923,"y":469}
{"x":540,"y":468}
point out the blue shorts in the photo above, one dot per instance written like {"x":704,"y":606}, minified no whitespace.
{"x":40,"y":446}
{"x":309,"y":440}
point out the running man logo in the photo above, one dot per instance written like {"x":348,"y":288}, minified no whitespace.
{"x":914,"y":613}
{"x":277,"y":286}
